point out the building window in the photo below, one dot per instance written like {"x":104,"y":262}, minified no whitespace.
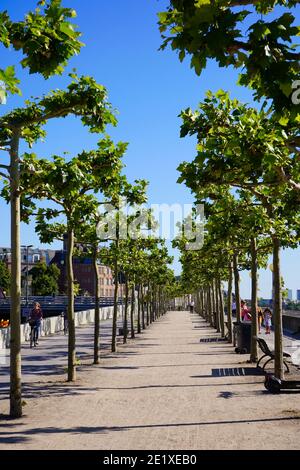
{"x":36,"y":258}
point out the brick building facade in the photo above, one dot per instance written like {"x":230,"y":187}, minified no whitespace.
{"x":83,"y":270}
{"x":84,"y":274}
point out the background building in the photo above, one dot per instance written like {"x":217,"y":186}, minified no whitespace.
{"x":30,"y":256}
{"x":290,"y":294}
{"x":83,"y":269}
{"x":298,"y":295}
{"x":84,"y":273}
{"x":35,"y":255}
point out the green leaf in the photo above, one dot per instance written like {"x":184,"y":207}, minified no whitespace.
{"x":286,"y":88}
{"x":67,"y":29}
{"x":284,"y":120}
{"x":181,"y":55}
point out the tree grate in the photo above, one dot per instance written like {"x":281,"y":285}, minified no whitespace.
{"x":212,"y":340}
{"x":235,"y":371}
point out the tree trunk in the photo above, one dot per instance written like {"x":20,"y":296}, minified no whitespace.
{"x":237,"y":287}
{"x":139,"y":329}
{"x":97,"y":308}
{"x":143,"y":307}
{"x":254,"y":326}
{"x":229,"y":304}
{"x":205,"y":304}
{"x":125,"y":323}
{"x":221,"y":308}
{"x":151,"y":302}
{"x":202,"y":303}
{"x":152,"y":305}
{"x":197,"y":302}
{"x":115,"y":313}
{"x":213,"y":306}
{"x":159,"y":304}
{"x":132,"y":311}
{"x":70,"y":310}
{"x":154,"y":300}
{"x":162,"y":301}
{"x":210,"y":306}
{"x":217,"y":306}
{"x":148,"y":301}
{"x":277,"y":310}
{"x":15,"y":288}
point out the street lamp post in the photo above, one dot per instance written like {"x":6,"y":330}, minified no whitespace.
{"x":27,"y":271}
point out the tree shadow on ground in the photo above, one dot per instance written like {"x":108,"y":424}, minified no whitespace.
{"x":119,"y":367}
{"x":61,"y":389}
{"x":10,"y":437}
{"x":222,"y":351}
{"x":145,"y":387}
{"x":200,"y":327}
{"x":253,"y":393}
{"x":178,"y":365}
{"x":148,"y":345}
{"x":171,"y":353}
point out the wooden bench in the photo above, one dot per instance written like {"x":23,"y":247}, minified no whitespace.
{"x":268,"y":353}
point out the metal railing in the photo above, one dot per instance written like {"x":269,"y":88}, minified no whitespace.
{"x":61,"y":300}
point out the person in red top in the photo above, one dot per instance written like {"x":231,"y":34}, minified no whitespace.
{"x":245,"y":311}
{"x":35,"y":319}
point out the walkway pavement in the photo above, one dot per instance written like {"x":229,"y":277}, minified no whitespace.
{"x":174,"y":387}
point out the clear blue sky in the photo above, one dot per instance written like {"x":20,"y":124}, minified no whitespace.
{"x":149,"y":88}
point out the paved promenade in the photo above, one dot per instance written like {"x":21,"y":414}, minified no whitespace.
{"x":174,"y":387}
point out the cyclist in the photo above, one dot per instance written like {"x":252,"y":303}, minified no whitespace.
{"x":35,"y":319}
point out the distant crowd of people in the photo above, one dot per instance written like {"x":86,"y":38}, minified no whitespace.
{"x":264,"y":316}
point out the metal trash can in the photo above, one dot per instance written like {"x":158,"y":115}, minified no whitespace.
{"x":242,"y":334}
{"x":121,"y":331}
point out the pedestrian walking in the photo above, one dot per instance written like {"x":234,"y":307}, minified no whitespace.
{"x":260,"y":317}
{"x":192,"y":304}
{"x":35,"y":320}
{"x":233,"y":309}
{"x":245,"y":311}
{"x":268,"y":320}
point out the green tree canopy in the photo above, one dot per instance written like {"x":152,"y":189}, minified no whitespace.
{"x":4,"y":276}
{"x":45,"y":279}
{"x":46,"y":37}
{"x":251,"y":35}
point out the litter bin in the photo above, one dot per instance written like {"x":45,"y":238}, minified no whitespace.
{"x":242,"y":334}
{"x":121,"y":331}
